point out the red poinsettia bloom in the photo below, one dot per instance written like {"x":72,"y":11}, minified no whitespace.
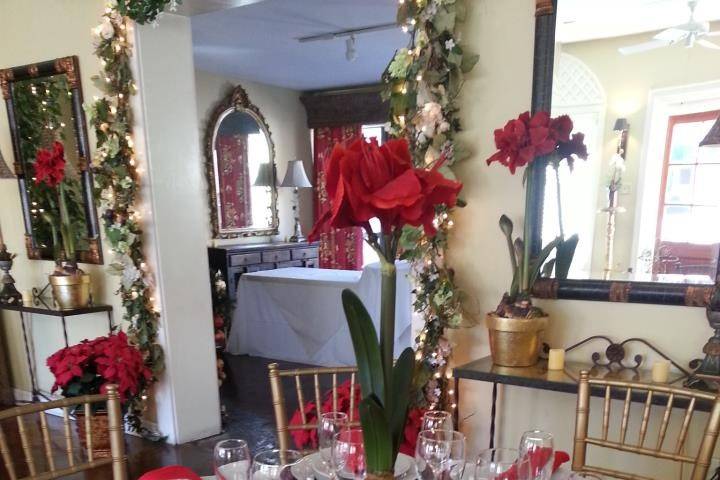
{"x":524,"y":139}
{"x":50,"y":165}
{"x":365,"y":180}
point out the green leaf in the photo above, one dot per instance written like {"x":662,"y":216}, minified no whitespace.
{"x":564,"y":256}
{"x":536,"y":263}
{"x":365,"y":343}
{"x":376,"y":436}
{"x":468,"y":62}
{"x":402,"y":382}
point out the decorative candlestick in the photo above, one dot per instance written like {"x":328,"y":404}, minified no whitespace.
{"x":9,"y":294}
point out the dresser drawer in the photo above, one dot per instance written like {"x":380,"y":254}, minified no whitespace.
{"x":275,"y":256}
{"x":260,"y":267}
{"x":292,"y":263}
{"x":245,"y":259}
{"x":304,"y":253}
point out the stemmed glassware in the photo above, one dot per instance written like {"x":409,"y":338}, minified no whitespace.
{"x":537,"y":449}
{"x":496,"y":464}
{"x":231,"y":460}
{"x":441,"y":454}
{"x":348,"y":454}
{"x":270,"y":464}
{"x":330,"y":424}
{"x":437,"y":420}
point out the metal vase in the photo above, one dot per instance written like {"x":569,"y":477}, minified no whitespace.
{"x":71,"y":291}
{"x":515,"y":342}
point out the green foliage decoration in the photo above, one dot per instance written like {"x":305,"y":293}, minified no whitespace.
{"x":423,"y":83}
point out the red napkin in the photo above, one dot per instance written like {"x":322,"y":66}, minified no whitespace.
{"x":174,"y":472}
{"x":538,"y":457}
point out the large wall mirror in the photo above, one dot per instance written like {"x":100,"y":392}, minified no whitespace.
{"x":641,"y":80}
{"x":44,"y":106}
{"x":241,"y":169}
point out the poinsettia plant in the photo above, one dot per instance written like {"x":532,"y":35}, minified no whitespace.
{"x":521,"y":143}
{"x":364,"y":181}
{"x":50,"y":170}
{"x":85,"y":368}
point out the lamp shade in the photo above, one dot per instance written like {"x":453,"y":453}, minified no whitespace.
{"x":265,"y":177}
{"x":296,"y":176}
{"x":5,"y":171}
{"x":621,"y":124}
{"x":712,"y":139}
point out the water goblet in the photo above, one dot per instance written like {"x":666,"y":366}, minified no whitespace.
{"x":437,"y":420}
{"x":330,"y":424}
{"x":272,"y":464}
{"x":231,"y":460}
{"x":348,"y":454}
{"x":537,"y":447}
{"x":440,"y":454}
{"x":496,"y":464}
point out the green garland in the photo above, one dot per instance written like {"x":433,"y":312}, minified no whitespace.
{"x":117,"y":179}
{"x":423,"y":83}
{"x":144,"y":11}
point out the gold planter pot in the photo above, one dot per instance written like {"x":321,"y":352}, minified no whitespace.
{"x":515,"y":342}
{"x":71,"y":291}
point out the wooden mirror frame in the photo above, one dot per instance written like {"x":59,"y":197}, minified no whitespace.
{"x":237,"y":100}
{"x":691,"y":295}
{"x":69,"y":66}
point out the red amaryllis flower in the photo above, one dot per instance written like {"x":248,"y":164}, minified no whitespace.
{"x":560,"y":128}
{"x":365,"y":180}
{"x":522,"y":140}
{"x":575,"y":147}
{"x":50,"y":165}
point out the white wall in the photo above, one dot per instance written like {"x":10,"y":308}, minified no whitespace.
{"x":287,"y":120}
{"x":33,"y":32}
{"x":187,"y":395}
{"x":499,"y":88}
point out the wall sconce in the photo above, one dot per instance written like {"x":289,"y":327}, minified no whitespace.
{"x":712,"y":139}
{"x":621,"y":128}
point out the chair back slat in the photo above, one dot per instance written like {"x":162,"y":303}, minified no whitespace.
{"x":279,"y":400}
{"x":25,"y":442}
{"x":645,"y":419}
{"x":117,"y":460}
{"x":46,"y":442}
{"x":700,"y":462}
{"x":7,"y":458}
{"x":665,"y":422}
{"x":68,"y":437}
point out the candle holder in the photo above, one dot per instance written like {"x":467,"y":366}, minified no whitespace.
{"x":9,"y":295}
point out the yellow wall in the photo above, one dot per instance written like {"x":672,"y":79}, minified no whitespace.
{"x":628,"y":81}
{"x":31,"y":32}
{"x":286,"y":118}
{"x":499,"y":88}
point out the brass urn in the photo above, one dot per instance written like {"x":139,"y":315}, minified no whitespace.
{"x":515,"y":342}
{"x":71,"y":291}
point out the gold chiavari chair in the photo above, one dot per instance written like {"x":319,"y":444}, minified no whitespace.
{"x":637,"y":445}
{"x":54,"y":470}
{"x":279,"y":403}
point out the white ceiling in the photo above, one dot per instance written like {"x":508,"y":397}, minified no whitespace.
{"x":257,"y":40}
{"x":580,"y":20}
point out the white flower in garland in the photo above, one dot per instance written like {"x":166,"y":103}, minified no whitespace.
{"x":450,"y":44}
{"x":131,"y":273}
{"x":126,"y":183}
{"x":104,"y":31}
{"x":429,"y":118}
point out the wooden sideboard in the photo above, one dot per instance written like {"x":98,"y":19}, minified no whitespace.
{"x":235,"y":260}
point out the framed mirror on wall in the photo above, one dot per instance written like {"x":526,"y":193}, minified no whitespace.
{"x":45,"y":113}
{"x":240,"y":164}
{"x":644,"y":88}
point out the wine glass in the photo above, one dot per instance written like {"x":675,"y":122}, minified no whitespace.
{"x":231,"y":460}
{"x":330,"y":424}
{"x":537,"y":448}
{"x":271,"y":464}
{"x":437,"y":420}
{"x":441,"y":454}
{"x":348,"y":454}
{"x":496,"y":464}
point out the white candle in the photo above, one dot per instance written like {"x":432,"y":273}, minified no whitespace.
{"x":660,"y":371}
{"x":27,"y":297}
{"x":556,"y":360}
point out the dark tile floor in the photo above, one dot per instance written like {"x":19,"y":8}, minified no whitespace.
{"x":248,"y":415}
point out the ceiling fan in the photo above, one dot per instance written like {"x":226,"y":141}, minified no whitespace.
{"x":691,"y":33}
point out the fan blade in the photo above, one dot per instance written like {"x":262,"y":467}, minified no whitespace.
{"x":672,"y":35}
{"x":643,"y":47}
{"x":707,"y":44}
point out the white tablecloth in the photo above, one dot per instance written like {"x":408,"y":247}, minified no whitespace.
{"x":296,"y":314}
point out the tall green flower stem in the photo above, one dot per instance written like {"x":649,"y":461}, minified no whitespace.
{"x":528,"y":230}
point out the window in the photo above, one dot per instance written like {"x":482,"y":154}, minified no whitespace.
{"x":688,"y":233}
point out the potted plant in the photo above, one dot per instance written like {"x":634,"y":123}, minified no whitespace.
{"x":85,"y":369}
{"x":70,"y":285}
{"x":366,"y":181}
{"x":516,"y":324}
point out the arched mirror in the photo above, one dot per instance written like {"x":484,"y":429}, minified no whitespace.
{"x":241,"y":169}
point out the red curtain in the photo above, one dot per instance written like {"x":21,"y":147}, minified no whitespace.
{"x":234,"y":181}
{"x":340,"y":249}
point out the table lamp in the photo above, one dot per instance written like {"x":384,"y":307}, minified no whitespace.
{"x":296,"y":178}
{"x":9,"y":294}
